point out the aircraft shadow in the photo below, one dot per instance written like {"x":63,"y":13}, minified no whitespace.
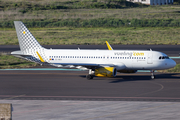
{"x":126,"y":78}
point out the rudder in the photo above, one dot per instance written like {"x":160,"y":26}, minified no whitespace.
{"x":27,"y":41}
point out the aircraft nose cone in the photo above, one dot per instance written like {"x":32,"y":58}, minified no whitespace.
{"x":173,"y":63}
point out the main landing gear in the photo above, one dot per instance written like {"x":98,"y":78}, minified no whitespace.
{"x":91,"y":74}
{"x":152,"y":74}
{"x":89,"y":77}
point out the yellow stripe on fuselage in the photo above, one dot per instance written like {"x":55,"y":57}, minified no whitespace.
{"x":40,"y":57}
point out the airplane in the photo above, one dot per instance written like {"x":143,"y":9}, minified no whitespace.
{"x":101,"y":63}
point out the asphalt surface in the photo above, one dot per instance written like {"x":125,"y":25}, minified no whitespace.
{"x":68,"y":95}
{"x":72,"y":85}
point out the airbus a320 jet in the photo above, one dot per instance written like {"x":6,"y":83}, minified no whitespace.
{"x":102,"y":63}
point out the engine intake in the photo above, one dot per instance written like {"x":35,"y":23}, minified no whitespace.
{"x":127,"y":71}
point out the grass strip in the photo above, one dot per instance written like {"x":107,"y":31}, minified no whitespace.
{"x":9,"y":62}
{"x":97,"y":36}
{"x":100,"y":22}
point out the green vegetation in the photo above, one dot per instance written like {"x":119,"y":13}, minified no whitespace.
{"x":101,"y":22}
{"x":90,"y":22}
{"x":34,"y":5}
{"x":9,"y":61}
{"x":87,"y":13}
{"x":124,"y":35}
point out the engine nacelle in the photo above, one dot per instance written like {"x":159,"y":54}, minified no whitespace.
{"x":105,"y":72}
{"x":127,"y":71}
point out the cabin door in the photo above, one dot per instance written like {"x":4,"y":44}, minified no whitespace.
{"x":149,"y":59}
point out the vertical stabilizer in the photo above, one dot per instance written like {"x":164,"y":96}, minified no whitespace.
{"x":27,"y":41}
{"x":30,"y":48}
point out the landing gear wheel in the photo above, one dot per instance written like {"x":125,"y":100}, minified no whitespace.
{"x":89,"y":77}
{"x":152,"y":77}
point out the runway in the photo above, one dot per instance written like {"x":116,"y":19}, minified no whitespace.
{"x":72,"y":85}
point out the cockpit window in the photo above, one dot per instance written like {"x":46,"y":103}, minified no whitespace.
{"x":166,"y":57}
{"x":163,"y":57}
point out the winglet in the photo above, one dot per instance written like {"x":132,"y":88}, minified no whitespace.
{"x":40,"y":57}
{"x":109,"y":46}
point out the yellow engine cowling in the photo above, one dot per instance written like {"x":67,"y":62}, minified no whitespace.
{"x":106,"y":72}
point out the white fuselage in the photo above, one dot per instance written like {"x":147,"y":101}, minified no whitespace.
{"x":130,"y":59}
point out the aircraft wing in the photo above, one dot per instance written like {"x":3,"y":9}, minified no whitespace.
{"x":119,"y":66}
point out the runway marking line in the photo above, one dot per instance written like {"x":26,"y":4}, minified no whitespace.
{"x":152,"y":91}
{"x":95,"y":97}
{"x":13,"y":97}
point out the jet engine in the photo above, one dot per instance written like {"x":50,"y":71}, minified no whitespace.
{"x":127,"y":71}
{"x":105,"y":72}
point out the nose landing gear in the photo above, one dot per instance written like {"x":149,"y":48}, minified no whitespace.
{"x":152,"y":74}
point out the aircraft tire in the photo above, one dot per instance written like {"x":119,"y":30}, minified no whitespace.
{"x":89,"y":77}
